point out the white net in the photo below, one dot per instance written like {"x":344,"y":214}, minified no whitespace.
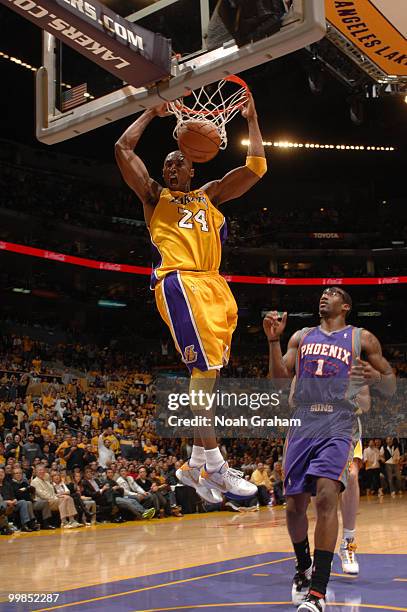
{"x":218,"y":106}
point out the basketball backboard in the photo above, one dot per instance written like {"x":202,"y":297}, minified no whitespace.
{"x":200,"y":57}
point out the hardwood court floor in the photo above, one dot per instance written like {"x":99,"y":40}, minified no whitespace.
{"x":73,"y":559}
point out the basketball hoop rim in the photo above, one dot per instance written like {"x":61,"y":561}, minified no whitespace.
{"x":233,"y":78}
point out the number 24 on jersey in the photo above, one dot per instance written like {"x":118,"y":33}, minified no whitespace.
{"x":188,"y":218}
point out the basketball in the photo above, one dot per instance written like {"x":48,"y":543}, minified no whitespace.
{"x":199,"y":141}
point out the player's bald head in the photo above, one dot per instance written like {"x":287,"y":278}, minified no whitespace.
{"x":177,"y":156}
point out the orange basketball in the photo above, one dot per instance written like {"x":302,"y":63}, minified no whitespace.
{"x":199,"y":141}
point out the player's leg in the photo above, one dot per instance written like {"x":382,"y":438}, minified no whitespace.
{"x":349,"y":503}
{"x":326,"y":533}
{"x":216,"y":474}
{"x":213,"y":312}
{"x":329,"y":468}
{"x":205,"y":448}
{"x":176,"y":313}
{"x":296,"y":461}
{"x":297,"y":525}
{"x":198,"y":309}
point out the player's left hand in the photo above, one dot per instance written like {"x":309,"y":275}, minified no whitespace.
{"x":249,"y":110}
{"x":362,"y":373}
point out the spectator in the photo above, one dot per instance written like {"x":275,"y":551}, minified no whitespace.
{"x":23,"y":490}
{"x":136,"y":451}
{"x":38,"y":437}
{"x":89,"y":456}
{"x":371,"y":459}
{"x":390,"y":455}
{"x":73,"y":455}
{"x":85,"y":506}
{"x":31,"y":450}
{"x":112,"y":438}
{"x":47,"y":454}
{"x":149,"y":449}
{"x":277,"y":479}
{"x":66,"y":502}
{"x":15,"y":448}
{"x":123,"y":501}
{"x":99,"y":492}
{"x":22,"y":508}
{"x":4,"y":524}
{"x":27,"y":469}
{"x":36,"y":363}
{"x":106,"y":455}
{"x":160,"y":484}
{"x":161,"y":504}
{"x":61,"y":503}
{"x":264,"y":485}
{"x":132,"y":490}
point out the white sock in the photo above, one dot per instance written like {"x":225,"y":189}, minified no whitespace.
{"x":349,"y":534}
{"x":214,"y":460}
{"x":197,"y":458}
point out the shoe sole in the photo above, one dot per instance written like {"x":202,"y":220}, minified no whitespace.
{"x":210,"y":485}
{"x":350,"y":573}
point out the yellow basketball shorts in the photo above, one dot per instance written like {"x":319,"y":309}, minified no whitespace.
{"x":201,"y":312}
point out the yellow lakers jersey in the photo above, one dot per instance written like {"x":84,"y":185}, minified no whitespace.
{"x":187,"y":232}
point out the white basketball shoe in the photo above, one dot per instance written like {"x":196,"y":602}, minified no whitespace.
{"x":227,"y":480}
{"x":301,"y":585}
{"x":189,"y":476}
{"x":347,"y":555}
{"x":312,"y":603}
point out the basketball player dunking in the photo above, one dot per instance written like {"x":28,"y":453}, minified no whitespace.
{"x":329,"y":374}
{"x":187,"y":231}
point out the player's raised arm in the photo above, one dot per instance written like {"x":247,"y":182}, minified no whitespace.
{"x":376,"y":371}
{"x":132,"y":167}
{"x":238,"y":181}
{"x":280,"y":367}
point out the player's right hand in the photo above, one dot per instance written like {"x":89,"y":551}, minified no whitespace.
{"x":273,"y":325}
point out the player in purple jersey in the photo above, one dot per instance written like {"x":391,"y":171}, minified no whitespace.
{"x":329,"y":373}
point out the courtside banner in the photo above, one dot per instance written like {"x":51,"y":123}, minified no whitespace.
{"x":128,"y":51}
{"x":377,"y":27}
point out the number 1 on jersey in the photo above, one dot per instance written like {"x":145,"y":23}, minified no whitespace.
{"x":319,"y":370}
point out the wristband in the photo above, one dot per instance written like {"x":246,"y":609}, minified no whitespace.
{"x":258,"y":165}
{"x":275,"y":340}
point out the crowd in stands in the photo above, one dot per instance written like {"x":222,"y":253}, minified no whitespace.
{"x":79,"y":451}
{"x":48,"y":194}
{"x":39,"y":358}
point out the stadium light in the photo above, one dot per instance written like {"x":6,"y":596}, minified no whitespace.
{"x":284,"y":144}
